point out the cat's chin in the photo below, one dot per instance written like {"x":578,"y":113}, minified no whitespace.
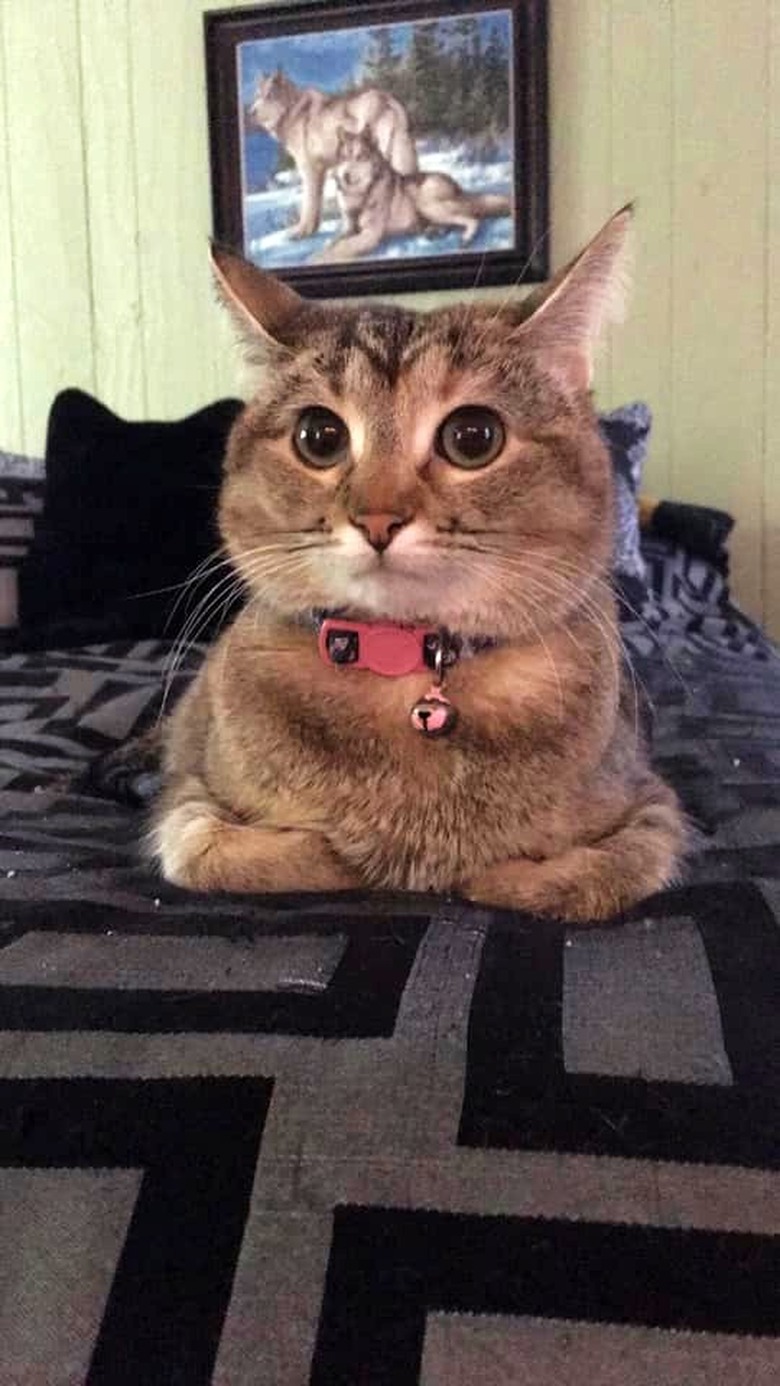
{"x":382,"y":591}
{"x":406,"y":597}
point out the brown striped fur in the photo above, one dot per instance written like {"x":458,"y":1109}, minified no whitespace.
{"x":285,"y":773}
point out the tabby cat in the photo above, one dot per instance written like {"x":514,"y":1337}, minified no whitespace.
{"x":424,"y":690}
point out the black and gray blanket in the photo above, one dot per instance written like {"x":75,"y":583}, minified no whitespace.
{"x":371,"y":1140}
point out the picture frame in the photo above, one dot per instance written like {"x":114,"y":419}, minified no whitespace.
{"x":387,"y":147}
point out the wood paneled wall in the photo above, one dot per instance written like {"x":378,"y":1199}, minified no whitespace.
{"x":105,"y":213}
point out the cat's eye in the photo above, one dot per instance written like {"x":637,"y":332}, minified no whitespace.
{"x":471,"y":437}
{"x":320,"y":438}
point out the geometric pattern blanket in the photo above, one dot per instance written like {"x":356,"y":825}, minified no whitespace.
{"x":383,"y":1140}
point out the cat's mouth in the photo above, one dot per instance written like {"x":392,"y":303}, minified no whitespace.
{"x":384,"y":572}
{"x":407,"y":581}
{"x":462,"y":583}
{"x":420,"y":577}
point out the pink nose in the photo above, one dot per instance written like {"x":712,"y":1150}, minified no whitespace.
{"x":379,"y":528}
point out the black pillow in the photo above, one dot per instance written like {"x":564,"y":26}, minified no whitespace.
{"x":129,"y":512}
{"x":700,"y":529}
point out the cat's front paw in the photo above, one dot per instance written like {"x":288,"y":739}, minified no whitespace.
{"x":539,"y":897}
{"x":522,"y":884}
{"x":199,"y":850}
{"x":596,"y":880}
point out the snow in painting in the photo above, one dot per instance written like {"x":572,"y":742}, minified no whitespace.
{"x":453,"y":78}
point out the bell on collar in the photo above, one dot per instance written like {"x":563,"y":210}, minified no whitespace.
{"x":433,"y":715}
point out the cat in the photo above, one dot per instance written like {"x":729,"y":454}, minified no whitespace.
{"x":306,"y":122}
{"x":394,"y":472}
{"x":376,"y":201}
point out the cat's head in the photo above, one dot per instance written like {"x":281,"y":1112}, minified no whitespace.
{"x":441,"y":467}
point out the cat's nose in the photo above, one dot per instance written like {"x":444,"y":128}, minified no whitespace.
{"x":379,"y":528}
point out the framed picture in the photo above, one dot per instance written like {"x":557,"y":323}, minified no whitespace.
{"x":368,"y":148}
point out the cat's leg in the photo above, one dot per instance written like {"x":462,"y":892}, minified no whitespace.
{"x":198,"y":846}
{"x":597,"y":880}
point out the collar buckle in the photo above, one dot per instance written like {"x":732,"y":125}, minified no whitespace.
{"x":385,"y":648}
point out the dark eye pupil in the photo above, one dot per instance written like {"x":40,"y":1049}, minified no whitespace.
{"x":320,"y":435}
{"x":473,"y":439}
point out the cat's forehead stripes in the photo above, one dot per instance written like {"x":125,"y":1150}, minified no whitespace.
{"x":380,"y":334}
{"x":391,"y":374}
{"x":383,"y":347}
{"x":387,"y":416}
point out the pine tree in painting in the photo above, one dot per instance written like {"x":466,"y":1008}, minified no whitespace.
{"x":452,"y":80}
{"x":381,"y":62}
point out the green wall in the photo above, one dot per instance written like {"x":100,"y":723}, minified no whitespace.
{"x":104,"y":219}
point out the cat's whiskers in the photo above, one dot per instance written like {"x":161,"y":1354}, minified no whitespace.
{"x":551,"y":661}
{"x":270,"y":557}
{"x":558,"y":583}
{"x":263,"y":573}
{"x":179,"y":587}
{"x":211,"y":561}
{"x":187,"y":637}
{"x":256,"y":566}
{"x":268,"y":569}
{"x":575,"y":570}
{"x":274,"y":558}
{"x":256,"y":602}
{"x":228,"y":586}
{"x":490,"y":579}
{"x":561,"y":586}
{"x":596,"y":618}
{"x":265,"y":558}
{"x":576,"y":594}
{"x":636,"y":678}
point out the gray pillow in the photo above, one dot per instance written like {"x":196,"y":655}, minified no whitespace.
{"x":627,"y":433}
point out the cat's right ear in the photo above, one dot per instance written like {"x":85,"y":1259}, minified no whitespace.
{"x":259,"y":304}
{"x":565,"y":318}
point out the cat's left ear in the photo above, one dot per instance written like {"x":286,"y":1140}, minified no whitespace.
{"x":259,"y":303}
{"x":565,"y":319}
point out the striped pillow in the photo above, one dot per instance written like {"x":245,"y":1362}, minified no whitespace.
{"x":22,"y":481}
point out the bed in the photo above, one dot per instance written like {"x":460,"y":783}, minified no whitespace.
{"x":369,"y":1139}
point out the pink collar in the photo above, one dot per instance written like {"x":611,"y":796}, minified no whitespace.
{"x":394,"y":650}
{"x":382,"y":646}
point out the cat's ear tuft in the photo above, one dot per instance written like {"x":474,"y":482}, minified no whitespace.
{"x":259,"y":304}
{"x":568,"y":316}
